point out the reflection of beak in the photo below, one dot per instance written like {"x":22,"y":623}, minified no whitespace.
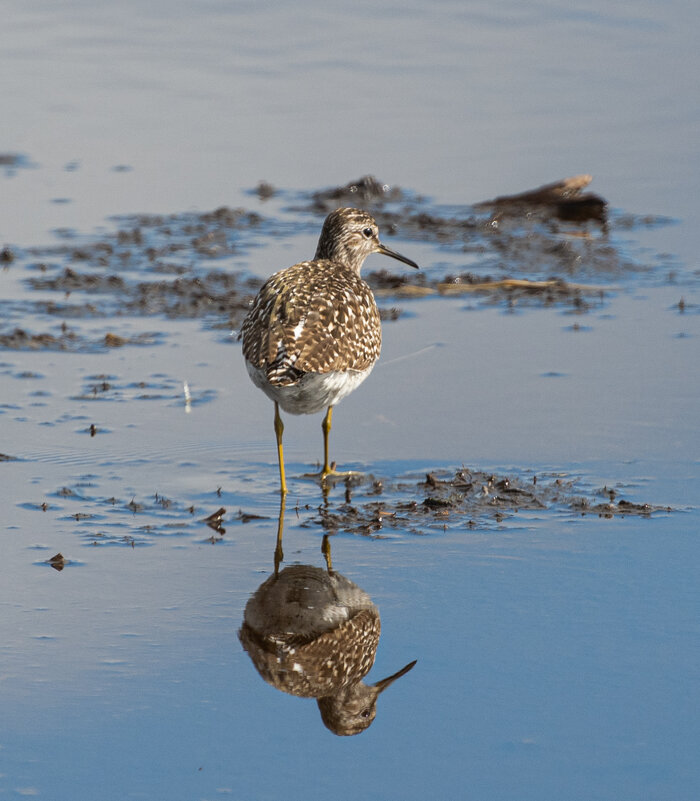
{"x":384,"y":683}
{"x":394,"y":255}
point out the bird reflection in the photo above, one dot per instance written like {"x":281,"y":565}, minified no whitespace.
{"x":313,"y":633}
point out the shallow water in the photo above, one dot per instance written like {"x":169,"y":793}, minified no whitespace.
{"x":557,"y":637}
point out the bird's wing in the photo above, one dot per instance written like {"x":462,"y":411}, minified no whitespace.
{"x":310,"y":318}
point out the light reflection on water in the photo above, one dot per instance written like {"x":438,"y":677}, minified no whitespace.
{"x":312,"y":633}
{"x":557,"y":653}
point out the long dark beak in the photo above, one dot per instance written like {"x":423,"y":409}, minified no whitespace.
{"x":384,"y":683}
{"x":394,"y":255}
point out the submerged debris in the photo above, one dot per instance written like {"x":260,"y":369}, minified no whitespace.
{"x":580,"y":297}
{"x":622,"y":508}
{"x":57,"y":562}
{"x":9,"y":159}
{"x":365,"y":192}
{"x":463,"y":499}
{"x":553,"y":232}
{"x":265,"y":190}
{"x":19,"y":339}
{"x":7,"y":256}
{"x":539,"y":247}
{"x":562,"y":199}
{"x":214,"y":521}
{"x":70,"y":340}
{"x":246,"y":517}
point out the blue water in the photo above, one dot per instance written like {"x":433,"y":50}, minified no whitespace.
{"x":557,"y":654}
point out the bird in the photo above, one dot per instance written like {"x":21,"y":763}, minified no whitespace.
{"x":314,"y":633}
{"x":313,"y":333}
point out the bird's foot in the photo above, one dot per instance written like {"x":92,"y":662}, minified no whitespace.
{"x":329,"y":476}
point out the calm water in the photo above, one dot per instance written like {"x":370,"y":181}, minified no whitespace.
{"x":557,"y":654}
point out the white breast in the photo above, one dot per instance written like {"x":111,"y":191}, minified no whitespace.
{"x":313,"y":393}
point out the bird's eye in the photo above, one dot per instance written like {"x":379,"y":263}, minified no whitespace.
{"x":366,"y":712}
{"x":367,"y":233}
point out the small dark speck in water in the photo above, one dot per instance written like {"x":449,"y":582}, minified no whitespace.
{"x":57,"y":562}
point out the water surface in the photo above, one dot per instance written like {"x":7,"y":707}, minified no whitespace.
{"x":557,"y":651}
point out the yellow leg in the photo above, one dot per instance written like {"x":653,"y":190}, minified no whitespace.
{"x":326,"y":551}
{"x":279,"y":554}
{"x":279,"y":428}
{"x":326,"y":428}
{"x":328,"y":466}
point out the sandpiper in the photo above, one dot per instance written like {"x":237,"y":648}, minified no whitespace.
{"x":313,"y":333}
{"x":314,"y":633}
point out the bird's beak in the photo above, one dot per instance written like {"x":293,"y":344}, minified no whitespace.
{"x":394,"y":255}
{"x":384,"y":683}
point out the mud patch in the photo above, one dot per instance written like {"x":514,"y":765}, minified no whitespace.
{"x":468,"y":499}
{"x":11,"y":162}
{"x":71,"y":340}
{"x":387,"y":507}
{"x":536,"y":249}
{"x":558,"y":230}
{"x":151,"y":266}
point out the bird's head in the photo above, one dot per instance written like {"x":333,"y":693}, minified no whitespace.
{"x":349,"y":236}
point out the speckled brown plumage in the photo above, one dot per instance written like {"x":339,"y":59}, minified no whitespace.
{"x":313,"y":333}
{"x":314,"y":317}
{"x":318,"y":316}
{"x":322,"y":666}
{"x":314,"y":633}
